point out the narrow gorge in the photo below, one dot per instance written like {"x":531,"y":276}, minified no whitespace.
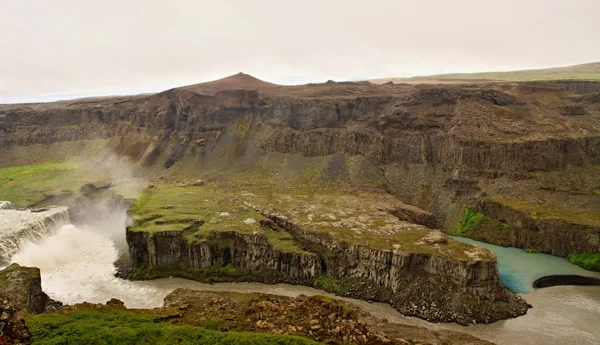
{"x":352,"y":188}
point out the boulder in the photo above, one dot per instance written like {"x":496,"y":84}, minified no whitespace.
{"x":21,"y":287}
{"x":13,"y":329}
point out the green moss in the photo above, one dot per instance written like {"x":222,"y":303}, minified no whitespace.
{"x":538,"y":212}
{"x":327,"y":283}
{"x":531,"y":251}
{"x":199,"y":212}
{"x":228,"y":269}
{"x":139,"y":327}
{"x":503,"y":225}
{"x":27,"y":185}
{"x":470,"y":221}
{"x":589,"y":262}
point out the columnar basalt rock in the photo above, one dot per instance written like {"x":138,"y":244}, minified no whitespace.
{"x":250,"y":254}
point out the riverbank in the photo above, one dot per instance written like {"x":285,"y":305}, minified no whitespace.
{"x":84,"y":259}
{"x":519,"y":269}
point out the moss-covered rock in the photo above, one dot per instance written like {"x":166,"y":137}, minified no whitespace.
{"x":21,"y":287}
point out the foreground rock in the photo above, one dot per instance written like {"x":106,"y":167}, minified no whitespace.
{"x":318,"y":318}
{"x":21,"y":288}
{"x":13,"y":329}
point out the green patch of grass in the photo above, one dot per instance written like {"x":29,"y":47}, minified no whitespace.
{"x":174,"y":208}
{"x":531,"y":251}
{"x":590,"y":262}
{"x":229,"y":269}
{"x":328,"y":283}
{"x":470,"y":221}
{"x":136,"y":327}
{"x":580,"y":72}
{"x":27,"y":185}
{"x":214,"y":324}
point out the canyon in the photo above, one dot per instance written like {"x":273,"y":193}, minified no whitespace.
{"x":351,"y":187}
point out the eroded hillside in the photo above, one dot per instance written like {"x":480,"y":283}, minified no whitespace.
{"x":340,"y":184}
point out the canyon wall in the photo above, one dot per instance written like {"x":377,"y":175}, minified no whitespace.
{"x":436,"y":145}
{"x":439,"y":288}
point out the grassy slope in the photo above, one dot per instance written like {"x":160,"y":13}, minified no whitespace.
{"x":171,"y":207}
{"x":26,"y":185}
{"x":130,"y":327}
{"x":174,"y":208}
{"x":580,"y":72}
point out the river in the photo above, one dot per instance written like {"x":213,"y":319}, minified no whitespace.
{"x":77,"y":265}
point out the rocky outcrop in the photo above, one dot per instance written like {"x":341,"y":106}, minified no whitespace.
{"x":456,"y":127}
{"x":250,"y":254}
{"x":21,"y":287}
{"x":435,"y":287}
{"x":320,"y":318}
{"x":556,"y":236}
{"x":13,"y":329}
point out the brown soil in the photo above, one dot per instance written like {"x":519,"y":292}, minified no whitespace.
{"x":319,"y":318}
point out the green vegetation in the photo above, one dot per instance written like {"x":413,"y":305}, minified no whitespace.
{"x":471,"y":220}
{"x":531,"y":251}
{"x":328,"y":283}
{"x":137,"y":327}
{"x":549,"y":212}
{"x":26,"y":185}
{"x":199,"y":211}
{"x":359,"y":218}
{"x":228,"y":269}
{"x":579,"y":72}
{"x":590,"y":262}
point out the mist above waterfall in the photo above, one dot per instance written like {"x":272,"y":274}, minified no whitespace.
{"x":76,"y":252}
{"x":120,"y":171}
{"x":76,"y":264}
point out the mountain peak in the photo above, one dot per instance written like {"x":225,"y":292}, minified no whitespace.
{"x":238,"y":81}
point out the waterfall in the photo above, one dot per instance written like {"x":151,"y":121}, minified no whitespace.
{"x":19,"y":226}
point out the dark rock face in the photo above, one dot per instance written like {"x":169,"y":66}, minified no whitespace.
{"x":13,"y":329}
{"x":249,"y":253}
{"x":21,"y":287}
{"x":437,"y":288}
{"x":553,"y":236}
{"x":570,"y":279}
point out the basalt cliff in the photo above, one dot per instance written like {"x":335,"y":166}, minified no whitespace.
{"x":508,"y":163}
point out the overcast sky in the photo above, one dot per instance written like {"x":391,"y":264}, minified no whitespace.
{"x":66,"y":48}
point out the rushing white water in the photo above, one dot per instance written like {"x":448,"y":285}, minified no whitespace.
{"x":77,"y":265}
{"x":19,"y":226}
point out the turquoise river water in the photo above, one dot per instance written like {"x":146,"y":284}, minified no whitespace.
{"x":519,"y":269}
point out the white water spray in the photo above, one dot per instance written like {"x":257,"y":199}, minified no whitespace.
{"x":22,"y":226}
{"x":77,"y":266}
